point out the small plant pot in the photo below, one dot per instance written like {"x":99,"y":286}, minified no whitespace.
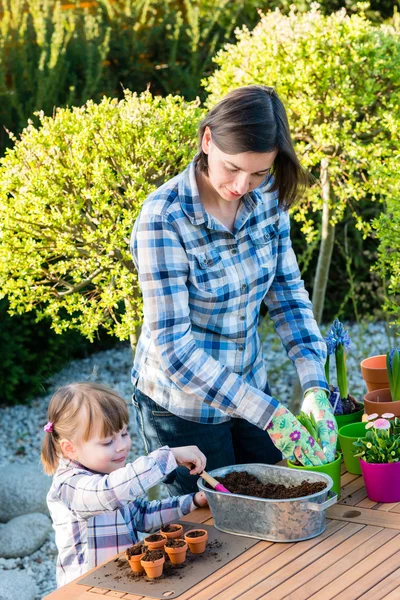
{"x":343,"y":420}
{"x":171,"y":535}
{"x":153,"y":568}
{"x":177,"y":555}
{"x":332,"y":469}
{"x":382,"y":481}
{"x":348,"y":435}
{"x":374,"y":372}
{"x":134,"y":561}
{"x":380,"y":402}
{"x":197,"y":544}
{"x":155,"y":544}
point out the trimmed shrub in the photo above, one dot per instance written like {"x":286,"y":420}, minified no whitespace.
{"x":70,"y":191}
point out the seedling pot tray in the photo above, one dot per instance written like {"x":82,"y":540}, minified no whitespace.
{"x":290,"y":520}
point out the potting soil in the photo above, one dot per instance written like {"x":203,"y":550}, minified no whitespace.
{"x":169,"y":528}
{"x":175,"y":543}
{"x":153,"y":555}
{"x":195,"y":534}
{"x":242,"y":482}
{"x":136,"y":550}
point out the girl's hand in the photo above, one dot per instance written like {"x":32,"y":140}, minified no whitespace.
{"x":316,"y":403}
{"x":200,"y":499}
{"x":190,"y":457}
{"x":293,"y":440}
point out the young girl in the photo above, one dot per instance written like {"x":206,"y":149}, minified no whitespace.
{"x":95,"y":500}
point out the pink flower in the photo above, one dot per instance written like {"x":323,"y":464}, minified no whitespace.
{"x":369,"y":425}
{"x":388,"y":416}
{"x":381,"y":424}
{"x":372,"y":417}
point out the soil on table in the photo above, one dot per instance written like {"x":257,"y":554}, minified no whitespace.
{"x":195,"y":534}
{"x":153,"y":555}
{"x":155,"y":537}
{"x":248,"y":485}
{"x":169,"y":528}
{"x":136,"y":550}
{"x":175,"y":543}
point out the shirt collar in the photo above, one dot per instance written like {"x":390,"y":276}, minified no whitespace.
{"x":190,"y":199}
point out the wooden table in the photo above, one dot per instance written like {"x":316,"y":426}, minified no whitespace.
{"x":356,"y":558}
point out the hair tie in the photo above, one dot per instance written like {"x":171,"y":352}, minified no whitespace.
{"x":48,"y":428}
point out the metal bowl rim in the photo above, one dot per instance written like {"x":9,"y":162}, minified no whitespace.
{"x":214,"y":473}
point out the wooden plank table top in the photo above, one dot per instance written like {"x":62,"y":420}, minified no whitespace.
{"x":356,"y":558}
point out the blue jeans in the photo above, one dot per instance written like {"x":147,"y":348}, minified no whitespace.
{"x":233,"y":442}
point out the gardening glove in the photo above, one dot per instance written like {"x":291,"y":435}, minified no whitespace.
{"x":316,"y":403}
{"x":293,"y":440}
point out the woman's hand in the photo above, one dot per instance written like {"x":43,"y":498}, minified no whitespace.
{"x":190,"y":457}
{"x":316,"y":403}
{"x":293,"y":440}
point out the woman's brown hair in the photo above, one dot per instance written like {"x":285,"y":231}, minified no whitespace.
{"x":73,"y":410}
{"x":253,"y":119}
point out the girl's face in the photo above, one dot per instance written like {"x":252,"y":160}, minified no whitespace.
{"x":233,"y":175}
{"x":103,"y":455}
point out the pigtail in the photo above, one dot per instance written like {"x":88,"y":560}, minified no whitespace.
{"x":49,"y":455}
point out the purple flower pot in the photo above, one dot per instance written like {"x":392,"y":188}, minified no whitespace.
{"x":382,"y":481}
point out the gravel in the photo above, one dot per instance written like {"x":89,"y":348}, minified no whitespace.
{"x":22,"y":426}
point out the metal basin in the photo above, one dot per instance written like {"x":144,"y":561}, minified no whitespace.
{"x":290,"y":520}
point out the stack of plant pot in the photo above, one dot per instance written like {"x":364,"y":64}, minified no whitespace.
{"x":149,"y":556}
{"x":379,"y":398}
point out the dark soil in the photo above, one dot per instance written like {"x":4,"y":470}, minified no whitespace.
{"x":135,"y":550}
{"x":248,"y":485}
{"x":195,"y":534}
{"x":155,"y":537}
{"x":169,"y":528}
{"x":153,"y":555}
{"x":175,"y":543}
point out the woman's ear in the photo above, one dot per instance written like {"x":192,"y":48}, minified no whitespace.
{"x":68,"y":449}
{"x":206,"y":141}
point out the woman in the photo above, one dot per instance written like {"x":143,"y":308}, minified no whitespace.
{"x":210,"y":245}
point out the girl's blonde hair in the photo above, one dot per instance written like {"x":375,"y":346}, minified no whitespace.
{"x":73,"y":410}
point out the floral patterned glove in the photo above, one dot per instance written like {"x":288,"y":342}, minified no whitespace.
{"x":316,"y":403}
{"x":293,"y":440}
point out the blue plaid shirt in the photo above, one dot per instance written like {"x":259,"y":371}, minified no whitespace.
{"x":95,"y":516}
{"x":199,"y":354}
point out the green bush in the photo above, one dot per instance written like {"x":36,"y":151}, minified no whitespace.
{"x":70,"y":191}
{"x":339,"y":77}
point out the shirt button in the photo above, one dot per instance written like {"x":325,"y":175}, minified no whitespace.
{"x":241,"y":348}
{"x":234,"y":251}
{"x":244,"y":287}
{"x":242,"y":318}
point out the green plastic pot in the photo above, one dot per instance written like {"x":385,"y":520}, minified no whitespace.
{"x":347,"y":435}
{"x":343,"y":420}
{"x":332,"y":469}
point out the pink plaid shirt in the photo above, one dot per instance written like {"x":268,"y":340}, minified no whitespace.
{"x":95,"y":516}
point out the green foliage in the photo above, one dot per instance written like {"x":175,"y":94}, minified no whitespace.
{"x":339,"y":77}
{"x":70,"y":191}
{"x":388,"y":233}
{"x":382,"y":441}
{"x":169,"y":44}
{"x":48,"y":57}
{"x":393,"y":370}
{"x":309,"y":422}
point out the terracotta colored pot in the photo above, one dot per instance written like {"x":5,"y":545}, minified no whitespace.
{"x":173,"y":534}
{"x":177,"y":555}
{"x":155,"y":545}
{"x":374,"y":372}
{"x":380,"y":402}
{"x":197,"y":545}
{"x":153,"y":568}
{"x":135,"y":563}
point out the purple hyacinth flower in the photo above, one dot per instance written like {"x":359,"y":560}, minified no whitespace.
{"x":295,"y":436}
{"x":337,"y":335}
